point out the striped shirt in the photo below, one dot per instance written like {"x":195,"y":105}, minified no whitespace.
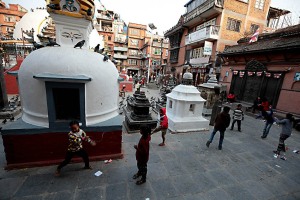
{"x":238,"y":114}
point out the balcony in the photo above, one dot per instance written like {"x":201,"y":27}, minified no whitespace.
{"x":208,"y":33}
{"x":103,"y":28}
{"x":120,"y":49}
{"x":205,"y":10}
{"x":121,"y":40}
{"x":105,"y":17}
{"x":120,"y":56}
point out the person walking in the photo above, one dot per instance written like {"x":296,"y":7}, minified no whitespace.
{"x":163,"y":125}
{"x":222,"y":121}
{"x":76,"y":136}
{"x":287,"y":126}
{"x":142,"y":154}
{"x":268,"y":115}
{"x":256,"y":104}
{"x":238,"y":116}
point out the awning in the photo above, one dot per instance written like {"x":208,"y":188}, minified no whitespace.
{"x":200,"y":61}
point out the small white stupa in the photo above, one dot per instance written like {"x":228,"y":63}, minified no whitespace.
{"x":185,"y":106}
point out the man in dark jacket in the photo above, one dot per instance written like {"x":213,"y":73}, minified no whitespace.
{"x":221,"y":123}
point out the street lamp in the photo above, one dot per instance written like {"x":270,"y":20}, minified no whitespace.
{"x":152,"y":27}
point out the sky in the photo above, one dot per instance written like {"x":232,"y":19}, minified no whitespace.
{"x":163,"y":13}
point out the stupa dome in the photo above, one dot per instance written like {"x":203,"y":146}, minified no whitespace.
{"x":188,"y":75}
{"x":35,"y":20}
{"x":68,"y":65}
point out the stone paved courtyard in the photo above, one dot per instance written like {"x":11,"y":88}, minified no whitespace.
{"x":185,"y":169}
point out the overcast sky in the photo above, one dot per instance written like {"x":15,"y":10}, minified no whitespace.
{"x":163,"y":13}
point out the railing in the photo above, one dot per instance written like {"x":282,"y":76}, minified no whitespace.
{"x":103,"y":28}
{"x":202,"y":8}
{"x":158,"y":44}
{"x":120,"y":48}
{"x":209,"y":32}
{"x":101,"y":16}
{"x":120,"y":40}
{"x":120,"y":56}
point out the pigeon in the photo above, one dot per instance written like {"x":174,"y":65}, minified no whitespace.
{"x":97,"y":48}
{"x":4,"y":121}
{"x":101,"y":50}
{"x":89,"y":12}
{"x":53,"y":6}
{"x":36,"y":45}
{"x":114,"y":61}
{"x":105,"y":58}
{"x":51,"y":43}
{"x":79,"y":44}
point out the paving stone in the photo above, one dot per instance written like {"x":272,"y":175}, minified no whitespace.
{"x":257,"y":189}
{"x":157,"y":171}
{"x":204,"y":183}
{"x":175,"y":168}
{"x":35,"y":185}
{"x":216,"y":194}
{"x":90,"y":194}
{"x":116,"y":191}
{"x":238,"y":192}
{"x":164,"y":188}
{"x":185,"y":184}
{"x":9,"y":186}
{"x":221,"y":177}
{"x":143,"y":191}
{"x":64,"y":195}
{"x":66,"y":181}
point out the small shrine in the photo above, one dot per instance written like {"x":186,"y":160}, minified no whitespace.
{"x":138,"y":113}
{"x":185,"y":106}
{"x":62,"y":82}
{"x":207,"y":91}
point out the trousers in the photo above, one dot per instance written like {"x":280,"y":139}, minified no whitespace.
{"x":142,"y":167}
{"x":82,"y":153}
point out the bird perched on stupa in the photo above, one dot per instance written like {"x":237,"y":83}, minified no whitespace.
{"x":97,"y":48}
{"x":36,"y":45}
{"x":79,"y":44}
{"x":51,"y":43}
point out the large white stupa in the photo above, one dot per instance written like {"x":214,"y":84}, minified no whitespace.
{"x":185,"y":107}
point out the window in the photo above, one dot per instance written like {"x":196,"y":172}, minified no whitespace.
{"x":253,"y":28}
{"x":192,"y":107}
{"x":259,"y":4}
{"x":134,"y":42}
{"x":198,"y":52}
{"x":134,"y":32}
{"x":233,"y":25}
{"x":132,"y":62}
{"x":156,"y":51}
{"x":133,"y":52}
{"x":170,"y":104}
{"x":10,"y":19}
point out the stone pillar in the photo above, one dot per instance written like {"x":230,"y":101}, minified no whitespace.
{"x":3,"y":94}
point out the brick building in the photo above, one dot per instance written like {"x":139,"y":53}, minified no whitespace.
{"x":8,"y":18}
{"x":136,"y":34}
{"x":208,"y":27}
{"x":267,"y":68}
{"x":120,"y":42}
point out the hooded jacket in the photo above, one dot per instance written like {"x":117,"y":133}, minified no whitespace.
{"x":222,"y":121}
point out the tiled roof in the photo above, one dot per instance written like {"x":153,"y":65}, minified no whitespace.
{"x":287,"y":38}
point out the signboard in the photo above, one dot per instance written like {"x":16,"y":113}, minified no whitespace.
{"x":207,"y":48}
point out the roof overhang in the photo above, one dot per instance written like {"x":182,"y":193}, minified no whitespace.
{"x":62,"y":78}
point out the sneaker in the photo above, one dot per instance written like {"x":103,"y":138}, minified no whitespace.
{"x":240,"y":130}
{"x":208,"y":143}
{"x":263,"y":137}
{"x":89,"y":167}
{"x":219,"y":147}
{"x":276,"y":152}
{"x":231,"y":129}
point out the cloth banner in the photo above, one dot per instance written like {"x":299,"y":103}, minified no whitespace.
{"x":268,"y":74}
{"x":259,"y":73}
{"x":242,"y":74}
{"x":235,"y":72}
{"x":277,"y":75}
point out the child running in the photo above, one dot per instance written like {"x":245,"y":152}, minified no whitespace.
{"x":221,"y":123}
{"x":163,"y":127}
{"x":238,"y":116}
{"x":142,"y":154}
{"x":76,"y":136}
{"x":287,"y":126}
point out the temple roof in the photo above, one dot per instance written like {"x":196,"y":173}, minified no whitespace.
{"x":287,"y":38}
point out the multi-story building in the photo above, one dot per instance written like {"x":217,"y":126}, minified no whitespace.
{"x":155,"y":53}
{"x":104,"y":26}
{"x":120,"y":42}
{"x":208,"y":27}
{"x":136,"y":34}
{"x":8,"y":18}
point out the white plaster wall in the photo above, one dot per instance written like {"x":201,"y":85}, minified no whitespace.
{"x":101,"y":92}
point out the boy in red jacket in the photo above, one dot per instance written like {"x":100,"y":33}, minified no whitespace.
{"x":142,"y":154}
{"x":163,"y":127}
